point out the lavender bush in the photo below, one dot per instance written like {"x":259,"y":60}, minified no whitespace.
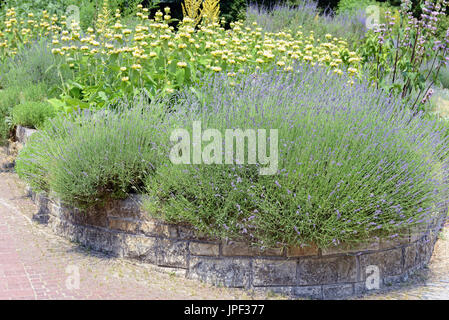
{"x":88,"y":158}
{"x":306,"y":16}
{"x":354,"y":163}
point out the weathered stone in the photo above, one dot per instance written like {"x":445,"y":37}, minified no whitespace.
{"x":231,"y":272}
{"x":417,"y":232}
{"x":401,"y":240}
{"x":187,"y":233}
{"x":274,"y":272}
{"x":243,"y":249}
{"x":123,"y":224}
{"x":280,"y":290}
{"x":411,"y":257}
{"x":311,"y":250}
{"x":424,"y":249}
{"x":391,"y":280}
{"x":142,"y":248}
{"x":23,"y":134}
{"x":337,"y":291}
{"x":128,"y":208}
{"x":41,"y":200}
{"x":204,"y":249}
{"x":172,"y":253}
{"x":327,"y":270}
{"x":158,"y":228}
{"x":236,"y":249}
{"x":308,"y":292}
{"x":348,"y":248}
{"x":389,"y":262}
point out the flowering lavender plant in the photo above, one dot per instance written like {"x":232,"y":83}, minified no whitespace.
{"x":404,"y":55}
{"x":87,"y":158}
{"x":353,"y":163}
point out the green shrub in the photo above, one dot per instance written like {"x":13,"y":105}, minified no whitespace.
{"x":32,"y":114}
{"x":353,"y":164}
{"x":354,"y":5}
{"x":13,"y":96}
{"x":91,"y":157}
{"x":34,"y":64}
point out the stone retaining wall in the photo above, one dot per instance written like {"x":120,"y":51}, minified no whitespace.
{"x":122,"y":229}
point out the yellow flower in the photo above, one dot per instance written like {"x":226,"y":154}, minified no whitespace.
{"x":125,"y":79}
{"x":123,"y":69}
{"x":352,"y":70}
{"x":181,"y":64}
{"x":338,"y":71}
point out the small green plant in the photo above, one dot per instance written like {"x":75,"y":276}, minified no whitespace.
{"x":32,"y":114}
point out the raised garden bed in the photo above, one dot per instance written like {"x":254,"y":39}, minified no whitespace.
{"x":123,"y":229}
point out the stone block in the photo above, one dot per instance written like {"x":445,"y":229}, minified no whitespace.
{"x":399,"y":241}
{"x":127,"y":208}
{"x":389,"y":262}
{"x":142,"y":248}
{"x":311,"y":250}
{"x":231,"y":272}
{"x":123,"y":224}
{"x":327,"y":270}
{"x":172,"y":253}
{"x":158,"y":228}
{"x":338,"y":291}
{"x":23,"y":134}
{"x":204,"y":249}
{"x":308,"y":292}
{"x":350,"y":248}
{"x":242,"y":249}
{"x":274,"y":272}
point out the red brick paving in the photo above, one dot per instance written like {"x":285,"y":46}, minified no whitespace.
{"x":34,"y":261}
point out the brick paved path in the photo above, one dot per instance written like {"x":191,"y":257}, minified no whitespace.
{"x":36,"y":264}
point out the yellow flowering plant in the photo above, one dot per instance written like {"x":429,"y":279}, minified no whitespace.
{"x":113,"y":60}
